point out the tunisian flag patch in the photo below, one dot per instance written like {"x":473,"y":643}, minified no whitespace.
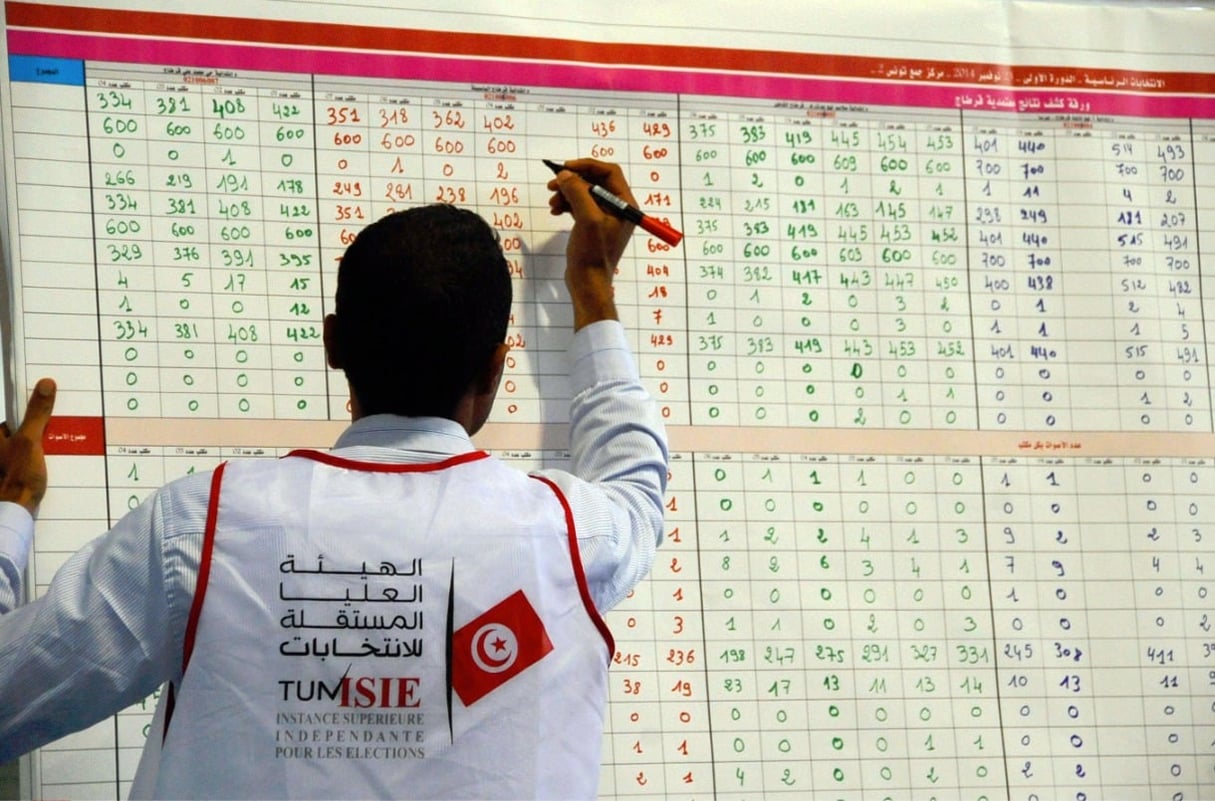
{"x":496,"y":646}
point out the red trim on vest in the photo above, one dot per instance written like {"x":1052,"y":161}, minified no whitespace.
{"x":204,"y":565}
{"x":392,"y":467}
{"x":204,"y":574}
{"x":170,"y":703}
{"x":584,"y":589}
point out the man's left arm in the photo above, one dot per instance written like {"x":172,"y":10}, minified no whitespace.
{"x":101,"y":636}
{"x":22,"y":485}
{"x":16,"y":535}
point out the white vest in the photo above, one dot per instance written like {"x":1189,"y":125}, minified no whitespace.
{"x":387,"y":631}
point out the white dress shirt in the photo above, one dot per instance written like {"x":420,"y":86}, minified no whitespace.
{"x":109,"y":630}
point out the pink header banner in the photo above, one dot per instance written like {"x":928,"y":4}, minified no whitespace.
{"x":829,"y":91}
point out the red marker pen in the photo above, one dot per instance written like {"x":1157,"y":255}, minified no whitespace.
{"x":614,"y":205}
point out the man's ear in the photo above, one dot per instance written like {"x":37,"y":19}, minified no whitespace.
{"x":493,"y":370}
{"x":333,"y":354}
{"x":476,"y":403}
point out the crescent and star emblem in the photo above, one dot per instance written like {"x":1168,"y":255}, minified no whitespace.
{"x":494,"y":648}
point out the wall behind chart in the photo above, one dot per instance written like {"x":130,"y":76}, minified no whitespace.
{"x":934,"y":351}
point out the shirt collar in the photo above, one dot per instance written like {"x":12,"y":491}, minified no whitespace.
{"x":423,"y":434}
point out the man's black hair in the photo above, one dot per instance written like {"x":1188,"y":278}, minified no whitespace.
{"x":423,"y":299}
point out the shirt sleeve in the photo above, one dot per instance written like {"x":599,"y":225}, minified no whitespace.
{"x":16,"y":532}
{"x":108,"y":630}
{"x":619,"y":463}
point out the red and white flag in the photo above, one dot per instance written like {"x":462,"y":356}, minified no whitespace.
{"x":496,"y":646}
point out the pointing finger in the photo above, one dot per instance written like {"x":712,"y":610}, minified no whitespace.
{"x":38,"y":412}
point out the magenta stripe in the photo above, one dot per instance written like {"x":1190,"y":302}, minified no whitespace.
{"x":228,"y":55}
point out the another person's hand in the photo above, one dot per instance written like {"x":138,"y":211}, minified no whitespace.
{"x":22,"y":462}
{"x":598,"y":238}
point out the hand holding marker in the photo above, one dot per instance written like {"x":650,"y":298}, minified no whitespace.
{"x":614,"y":205}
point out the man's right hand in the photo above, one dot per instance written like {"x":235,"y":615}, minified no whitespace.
{"x":598,"y":238}
{"x":22,"y":462}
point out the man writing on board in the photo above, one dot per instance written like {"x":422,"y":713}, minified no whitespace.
{"x":402,"y":616}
